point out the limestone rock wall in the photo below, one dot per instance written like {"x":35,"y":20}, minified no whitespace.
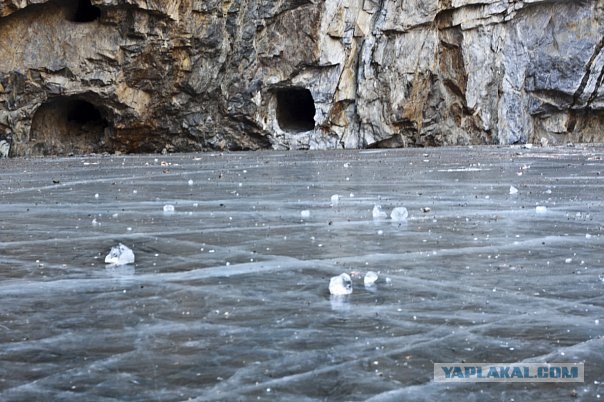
{"x":80,"y":76}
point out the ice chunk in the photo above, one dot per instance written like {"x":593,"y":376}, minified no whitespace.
{"x":191,"y":182}
{"x":168,"y":208}
{"x":399,"y":214}
{"x":335,"y":200}
{"x":340,"y":285}
{"x":513,"y":190}
{"x":370,"y":278}
{"x":305,"y":213}
{"x":4,"y":148}
{"x":378,"y":213}
{"x":120,"y":255}
{"x":541,"y":209}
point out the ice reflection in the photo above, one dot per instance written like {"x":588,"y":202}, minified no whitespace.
{"x":340,"y":303}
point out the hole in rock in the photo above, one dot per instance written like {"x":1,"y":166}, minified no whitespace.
{"x":68,"y":125}
{"x":295,"y":109}
{"x":85,"y":12}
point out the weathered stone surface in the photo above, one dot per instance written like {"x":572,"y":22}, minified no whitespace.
{"x":145,"y":76}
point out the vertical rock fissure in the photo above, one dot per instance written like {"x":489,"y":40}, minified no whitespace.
{"x":587,"y":75}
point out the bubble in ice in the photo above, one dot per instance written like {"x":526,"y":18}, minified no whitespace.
{"x":399,"y":214}
{"x":168,"y":208}
{"x":370,"y":278}
{"x":340,"y":285}
{"x":335,"y":200}
{"x":378,"y":213}
{"x":305,"y":213}
{"x":120,"y":255}
{"x":541,"y":209}
{"x":513,"y":190}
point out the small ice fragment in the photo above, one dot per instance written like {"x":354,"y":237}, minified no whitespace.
{"x":120,"y":255}
{"x":370,"y":278}
{"x":541,"y":209}
{"x":399,"y":214}
{"x":568,"y":260}
{"x":513,"y":190}
{"x":305,"y":213}
{"x":335,"y":200}
{"x":168,"y":208}
{"x":340,"y":285}
{"x":191,"y":182}
{"x":378,"y":213}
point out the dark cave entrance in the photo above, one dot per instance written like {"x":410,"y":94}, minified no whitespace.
{"x":68,"y":125}
{"x":295,"y":109}
{"x":85,"y":12}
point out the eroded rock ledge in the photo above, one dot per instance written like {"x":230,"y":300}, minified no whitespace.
{"x":80,"y":76}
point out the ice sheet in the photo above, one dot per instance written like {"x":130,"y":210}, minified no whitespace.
{"x":229,"y":299}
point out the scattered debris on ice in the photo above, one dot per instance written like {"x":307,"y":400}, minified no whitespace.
{"x":399,"y":214}
{"x":370,"y":278}
{"x":378,"y":213}
{"x":541,"y":209}
{"x":335,"y":200}
{"x":120,"y":255}
{"x":305,"y":213}
{"x":513,"y":190}
{"x":168,"y":208}
{"x":340,"y":285}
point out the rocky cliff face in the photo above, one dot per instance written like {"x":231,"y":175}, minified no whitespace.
{"x":79,"y":76}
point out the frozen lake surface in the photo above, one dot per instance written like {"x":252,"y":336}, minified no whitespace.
{"x":228,"y":299}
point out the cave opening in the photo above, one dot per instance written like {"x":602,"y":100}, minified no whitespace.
{"x":82,"y":112}
{"x":295,"y":109}
{"x":85,"y":12}
{"x":68,"y":125}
